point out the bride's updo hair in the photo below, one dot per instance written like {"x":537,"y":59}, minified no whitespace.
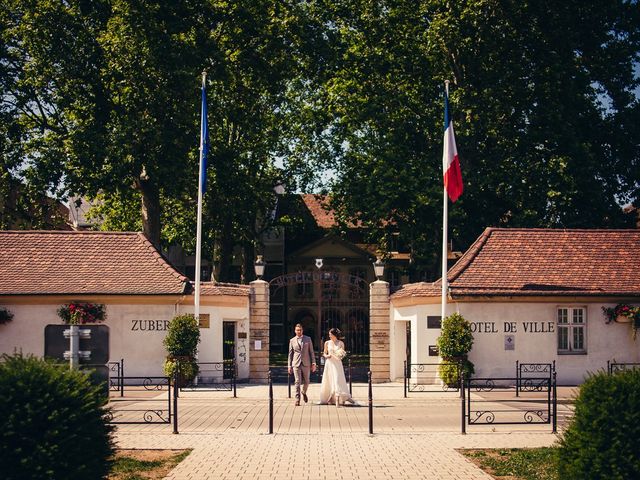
{"x":336,"y":332}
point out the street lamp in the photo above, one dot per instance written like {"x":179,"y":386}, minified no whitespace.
{"x":378,"y":268}
{"x":259,"y":267}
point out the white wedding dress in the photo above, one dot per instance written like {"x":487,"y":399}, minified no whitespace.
{"x":334,"y":384}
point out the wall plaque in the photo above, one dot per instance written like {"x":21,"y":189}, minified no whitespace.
{"x":434,"y":321}
{"x":433,"y":351}
{"x":509,"y":342}
{"x":204,"y":320}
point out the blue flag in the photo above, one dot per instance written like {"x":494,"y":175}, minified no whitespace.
{"x":204,"y":138}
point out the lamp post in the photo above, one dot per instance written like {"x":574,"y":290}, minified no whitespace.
{"x":259,"y":267}
{"x":378,"y":268}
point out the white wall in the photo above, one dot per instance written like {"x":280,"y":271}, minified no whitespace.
{"x":535,"y":337}
{"x":136,"y":333}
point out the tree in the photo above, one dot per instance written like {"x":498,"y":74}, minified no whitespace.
{"x":107,"y":96}
{"x":543,"y":102}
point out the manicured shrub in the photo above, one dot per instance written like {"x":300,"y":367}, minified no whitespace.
{"x":601,"y":441}
{"x":53,"y":422}
{"x":454,"y":343}
{"x":182,"y":337}
{"x":450,"y":372}
{"x":181,"y":343}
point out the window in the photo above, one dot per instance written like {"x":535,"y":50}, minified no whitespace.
{"x":572,"y":329}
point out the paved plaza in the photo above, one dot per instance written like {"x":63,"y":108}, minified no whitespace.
{"x":414,"y":437}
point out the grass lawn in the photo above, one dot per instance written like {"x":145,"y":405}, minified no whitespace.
{"x":517,"y":463}
{"x":145,"y":464}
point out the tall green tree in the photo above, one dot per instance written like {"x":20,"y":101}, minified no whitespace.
{"x":109,"y":97}
{"x":544,"y":110}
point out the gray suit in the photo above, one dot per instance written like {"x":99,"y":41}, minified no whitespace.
{"x":301,"y":357}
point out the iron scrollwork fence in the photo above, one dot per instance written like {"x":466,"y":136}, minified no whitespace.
{"x":425,"y":377}
{"x":220,"y":376}
{"x":493,"y":403}
{"x":144,"y":400}
{"x":528,"y":374}
{"x":116,"y":376}
{"x":615,"y":367}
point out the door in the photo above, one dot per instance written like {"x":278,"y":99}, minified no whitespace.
{"x":228,"y":347}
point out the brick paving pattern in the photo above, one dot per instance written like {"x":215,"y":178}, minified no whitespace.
{"x":415,"y":437}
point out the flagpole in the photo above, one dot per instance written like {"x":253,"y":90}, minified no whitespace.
{"x":196,"y":310}
{"x":445,"y":227}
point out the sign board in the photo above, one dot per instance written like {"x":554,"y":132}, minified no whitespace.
{"x":509,"y":342}
{"x":257,"y":345}
{"x":434,"y":321}
{"x":55,"y":342}
{"x":204,"y":320}
{"x":433,"y":351}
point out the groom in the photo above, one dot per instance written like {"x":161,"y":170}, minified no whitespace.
{"x":302,"y":360}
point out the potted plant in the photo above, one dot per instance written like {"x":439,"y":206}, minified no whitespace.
{"x":454,"y":344}
{"x":624,"y":313}
{"x":5,"y":315}
{"x":77,"y":313}
{"x":181,"y":343}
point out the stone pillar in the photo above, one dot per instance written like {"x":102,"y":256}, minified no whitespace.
{"x":259,"y":330}
{"x":379,"y":346}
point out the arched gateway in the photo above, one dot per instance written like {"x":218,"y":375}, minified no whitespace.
{"x":319,"y":300}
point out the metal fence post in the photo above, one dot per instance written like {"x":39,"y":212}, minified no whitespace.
{"x":175,"y":401}
{"x":405,"y":379}
{"x":609,"y":367}
{"x":121,"y":369}
{"x":233,"y":378}
{"x":461,"y":370}
{"x":517,"y":379}
{"x":555,"y":403}
{"x":289,"y":382}
{"x":370,"y":404}
{"x":350,"y":381}
{"x":463,"y":406}
{"x":270,"y":404}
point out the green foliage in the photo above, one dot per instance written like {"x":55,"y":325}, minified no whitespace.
{"x":6,"y":315}
{"x":543,"y":105}
{"x":183,"y":336}
{"x":525,"y":464}
{"x":449,"y":372}
{"x":187,"y":371}
{"x":53,"y":424}
{"x":129,"y":468}
{"x":601,"y":441}
{"x":456,"y":339}
{"x":76,"y":313}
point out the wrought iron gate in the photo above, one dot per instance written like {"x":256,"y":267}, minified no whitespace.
{"x":325,"y":299}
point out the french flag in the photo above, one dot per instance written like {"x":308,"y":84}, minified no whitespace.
{"x":450,"y":161}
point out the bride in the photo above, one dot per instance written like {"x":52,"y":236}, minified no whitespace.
{"x":334,"y":388}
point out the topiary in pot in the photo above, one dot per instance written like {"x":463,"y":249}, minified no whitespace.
{"x":601,"y":441}
{"x":181,"y":343}
{"x":454,"y":343}
{"x":53,"y":424}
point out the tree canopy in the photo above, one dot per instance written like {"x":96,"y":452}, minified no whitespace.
{"x":101,"y":99}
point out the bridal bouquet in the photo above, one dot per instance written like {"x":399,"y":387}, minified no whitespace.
{"x":339,"y":353}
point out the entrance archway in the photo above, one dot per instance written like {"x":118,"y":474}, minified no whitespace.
{"x":320,"y":300}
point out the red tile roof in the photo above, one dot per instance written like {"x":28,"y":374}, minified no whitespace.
{"x":232,"y":289}
{"x":80,"y":263}
{"x":541,"y":262}
{"x":322,"y":212}
{"x":318,"y":205}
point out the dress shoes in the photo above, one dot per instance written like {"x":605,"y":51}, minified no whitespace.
{"x":305,"y":398}
{"x":297,"y":403}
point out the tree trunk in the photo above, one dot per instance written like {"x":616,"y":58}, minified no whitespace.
{"x":150,"y":209}
{"x":248,"y":273}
